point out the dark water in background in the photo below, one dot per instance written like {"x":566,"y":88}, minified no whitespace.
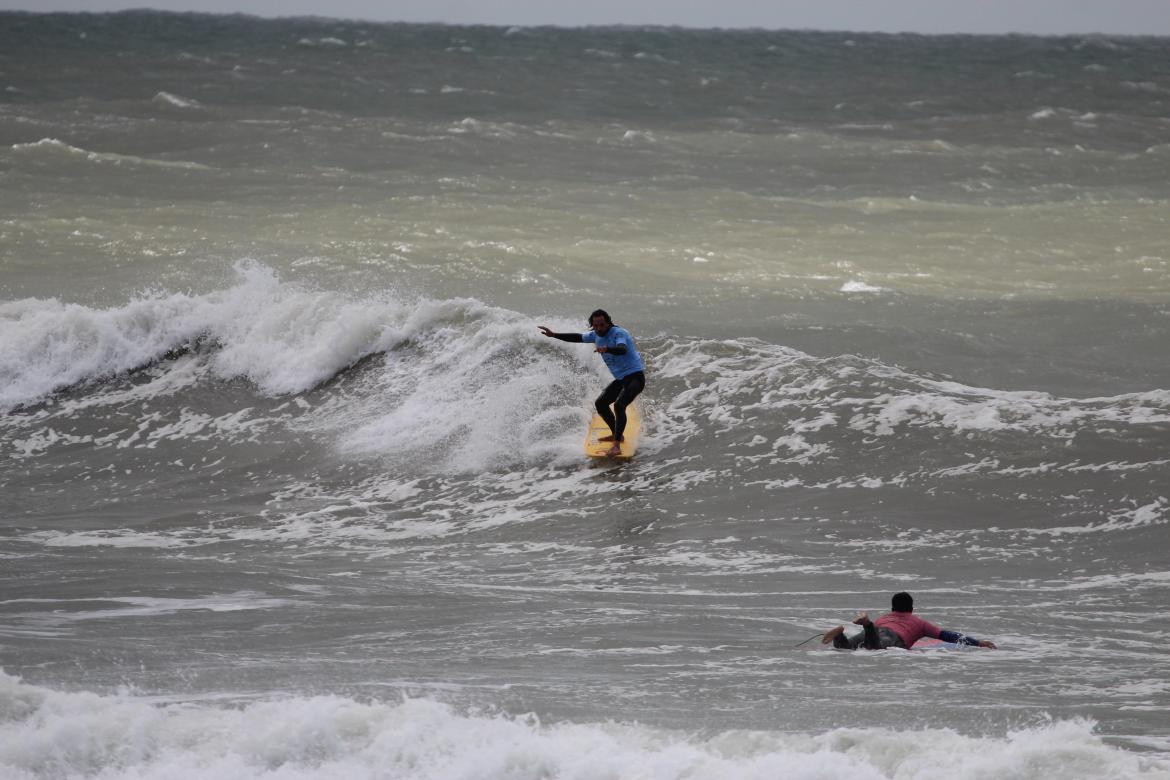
{"x":292,"y":484}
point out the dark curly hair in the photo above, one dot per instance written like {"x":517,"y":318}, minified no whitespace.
{"x":603,"y":314}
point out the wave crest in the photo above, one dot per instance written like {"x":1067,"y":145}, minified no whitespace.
{"x":283,"y":338}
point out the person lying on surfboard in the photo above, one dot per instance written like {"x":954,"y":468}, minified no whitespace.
{"x":897,"y":628}
{"x":616,"y":347}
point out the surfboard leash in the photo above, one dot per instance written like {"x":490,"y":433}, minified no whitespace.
{"x":805,"y":642}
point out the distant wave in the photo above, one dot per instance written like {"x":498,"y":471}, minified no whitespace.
{"x":47,"y":148}
{"x":174,"y":100}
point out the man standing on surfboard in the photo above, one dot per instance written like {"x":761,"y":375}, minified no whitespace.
{"x":616,"y":347}
{"x":898,"y":628}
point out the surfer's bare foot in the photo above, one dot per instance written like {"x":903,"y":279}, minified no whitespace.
{"x":862,"y":619}
{"x":832,"y":634}
{"x":605,"y":438}
{"x":615,"y":450}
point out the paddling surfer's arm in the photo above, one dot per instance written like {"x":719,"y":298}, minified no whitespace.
{"x":962,"y":639}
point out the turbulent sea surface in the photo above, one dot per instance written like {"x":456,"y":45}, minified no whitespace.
{"x":293,"y":487}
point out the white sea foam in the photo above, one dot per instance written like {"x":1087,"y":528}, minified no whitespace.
{"x":153,"y":429}
{"x":46,"y":345}
{"x":121,"y":538}
{"x":732,"y":384}
{"x":326,"y":41}
{"x":174,"y":100}
{"x":1126,"y":581}
{"x":1153,"y":513}
{"x":1142,"y":86}
{"x":860,"y":287}
{"x":52,"y":147}
{"x":46,"y":733}
{"x":139,"y":607}
{"x":964,"y":408}
{"x":638,"y":135}
{"x":458,"y":397}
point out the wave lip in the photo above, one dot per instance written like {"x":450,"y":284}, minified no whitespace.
{"x":46,"y":345}
{"x":281,"y":337}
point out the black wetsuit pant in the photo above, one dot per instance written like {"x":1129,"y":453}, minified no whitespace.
{"x":620,"y":393}
{"x":871,"y":638}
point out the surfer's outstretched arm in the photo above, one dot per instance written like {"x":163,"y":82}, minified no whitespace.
{"x":574,"y":337}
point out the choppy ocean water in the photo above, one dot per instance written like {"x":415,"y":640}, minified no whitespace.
{"x":292,"y":486}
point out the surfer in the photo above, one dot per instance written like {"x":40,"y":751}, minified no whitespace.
{"x":616,"y":347}
{"x":897,"y":628}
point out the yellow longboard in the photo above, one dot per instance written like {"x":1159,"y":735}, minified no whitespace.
{"x":598,"y":428}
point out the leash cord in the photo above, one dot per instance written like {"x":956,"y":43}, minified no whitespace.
{"x":805,"y":642}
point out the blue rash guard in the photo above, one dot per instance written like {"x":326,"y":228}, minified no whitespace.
{"x":620,"y":366}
